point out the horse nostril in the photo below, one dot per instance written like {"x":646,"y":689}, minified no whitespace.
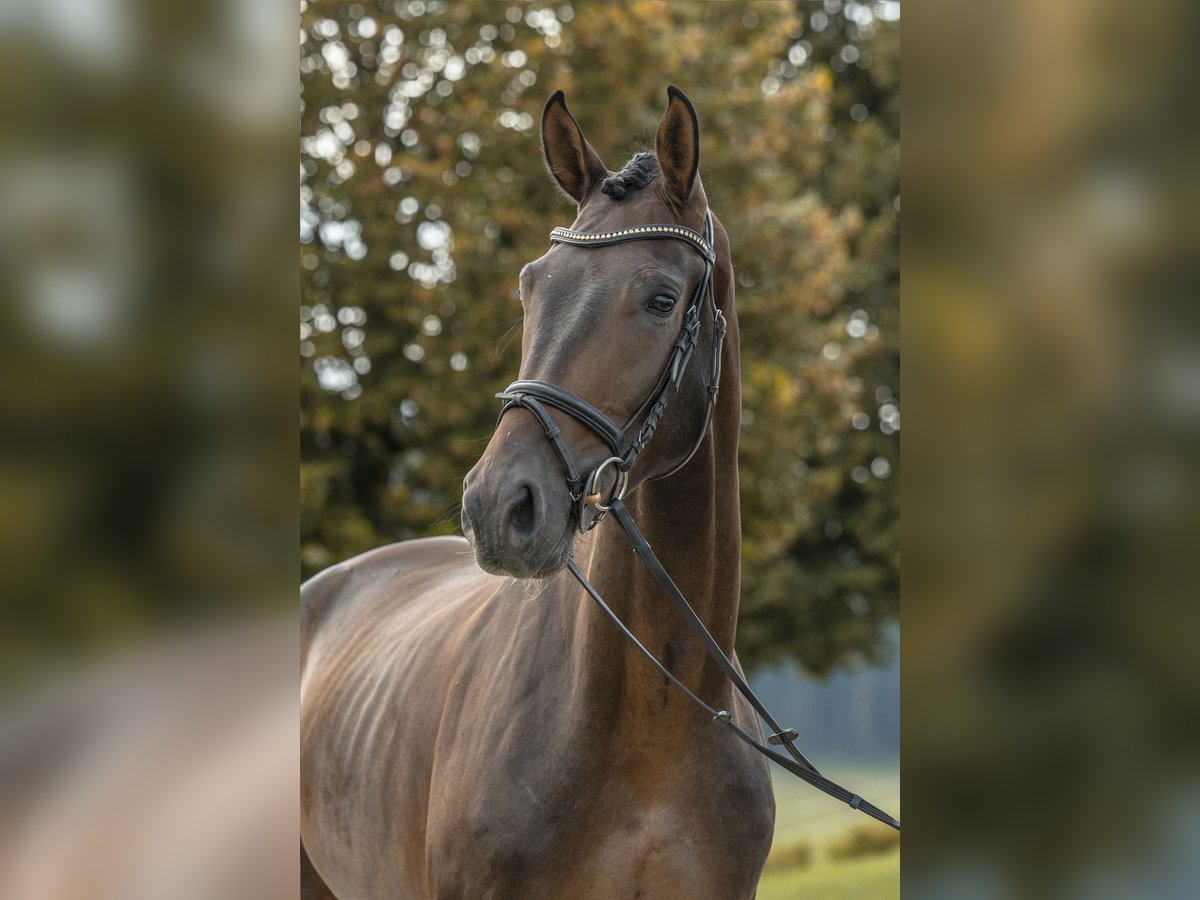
{"x":522,"y":518}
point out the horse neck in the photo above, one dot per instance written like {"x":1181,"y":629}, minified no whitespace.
{"x":692,"y":521}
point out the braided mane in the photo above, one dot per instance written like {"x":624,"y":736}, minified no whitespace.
{"x":638,"y":172}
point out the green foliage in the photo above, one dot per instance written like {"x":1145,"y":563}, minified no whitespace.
{"x":423,"y":193}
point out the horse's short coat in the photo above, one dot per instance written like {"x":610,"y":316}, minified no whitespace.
{"x":470,"y":735}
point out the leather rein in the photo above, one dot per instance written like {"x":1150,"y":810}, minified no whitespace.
{"x":535,"y":396}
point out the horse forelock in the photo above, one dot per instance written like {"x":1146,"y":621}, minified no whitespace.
{"x":641,"y":170}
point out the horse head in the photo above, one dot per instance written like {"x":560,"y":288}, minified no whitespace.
{"x":607,"y":315}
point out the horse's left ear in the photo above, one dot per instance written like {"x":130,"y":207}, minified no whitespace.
{"x":678,"y":145}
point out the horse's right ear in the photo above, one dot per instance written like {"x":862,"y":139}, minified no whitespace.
{"x":574,"y":164}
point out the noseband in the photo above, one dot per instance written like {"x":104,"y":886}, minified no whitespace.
{"x":535,"y":396}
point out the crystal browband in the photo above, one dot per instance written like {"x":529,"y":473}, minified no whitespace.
{"x":679,"y":232}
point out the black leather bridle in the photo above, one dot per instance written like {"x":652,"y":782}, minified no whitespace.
{"x":535,"y":396}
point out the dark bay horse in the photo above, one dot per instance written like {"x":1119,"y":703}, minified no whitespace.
{"x":471,"y":726}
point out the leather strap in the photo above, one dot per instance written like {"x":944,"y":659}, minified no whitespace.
{"x":561,"y":398}
{"x":646,"y":554}
{"x":798,"y":764}
{"x":723,"y":717}
{"x":638,"y":233}
{"x":554,"y":435}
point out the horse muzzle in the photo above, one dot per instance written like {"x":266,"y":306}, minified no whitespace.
{"x":516,"y":514}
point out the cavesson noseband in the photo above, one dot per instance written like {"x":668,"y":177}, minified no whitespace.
{"x":535,"y":396}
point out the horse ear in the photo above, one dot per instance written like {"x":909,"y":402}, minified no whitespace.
{"x":678,"y":145}
{"x":574,"y":164}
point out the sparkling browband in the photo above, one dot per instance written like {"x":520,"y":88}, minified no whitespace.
{"x":679,"y":232}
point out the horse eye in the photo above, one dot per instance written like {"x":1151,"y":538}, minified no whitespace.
{"x":662,"y":304}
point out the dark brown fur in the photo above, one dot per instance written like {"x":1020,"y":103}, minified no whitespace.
{"x":469,"y":736}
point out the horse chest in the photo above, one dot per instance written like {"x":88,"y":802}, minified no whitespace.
{"x":582,"y":832}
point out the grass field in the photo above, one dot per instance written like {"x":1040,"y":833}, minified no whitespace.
{"x":875,"y":877}
{"x":807,"y":818}
{"x":802,"y":811}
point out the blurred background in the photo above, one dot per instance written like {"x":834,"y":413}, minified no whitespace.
{"x":148,"y":510}
{"x":423,"y":193}
{"x":148,"y":503}
{"x":1052,"y":371}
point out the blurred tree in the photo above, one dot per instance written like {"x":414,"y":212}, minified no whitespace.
{"x":820,"y":490}
{"x":422,"y":194}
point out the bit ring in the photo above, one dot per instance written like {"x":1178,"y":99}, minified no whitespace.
{"x":592,"y":494}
